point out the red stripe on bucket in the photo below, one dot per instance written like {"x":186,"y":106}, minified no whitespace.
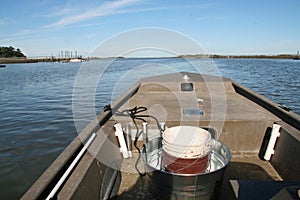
{"x":185,"y":165}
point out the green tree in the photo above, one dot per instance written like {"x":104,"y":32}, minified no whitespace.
{"x":9,"y":52}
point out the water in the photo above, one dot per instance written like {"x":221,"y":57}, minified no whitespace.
{"x":277,"y":80}
{"x":37,"y":118}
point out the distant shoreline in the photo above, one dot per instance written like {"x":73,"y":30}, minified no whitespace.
{"x":31,"y":60}
{"x":280,"y":56}
{"x":212,"y":56}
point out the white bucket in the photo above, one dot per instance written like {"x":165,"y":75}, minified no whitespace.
{"x":186,"y":141}
{"x":186,"y":149}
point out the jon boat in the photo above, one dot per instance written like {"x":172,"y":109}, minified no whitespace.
{"x":263,"y":139}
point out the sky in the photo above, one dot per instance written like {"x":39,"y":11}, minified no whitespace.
{"x":228,"y":27}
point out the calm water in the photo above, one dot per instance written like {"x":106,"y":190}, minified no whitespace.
{"x":36,"y":113}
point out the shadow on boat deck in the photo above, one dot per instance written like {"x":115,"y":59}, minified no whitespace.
{"x":140,"y":190}
{"x":250,"y":181}
{"x":245,"y":171}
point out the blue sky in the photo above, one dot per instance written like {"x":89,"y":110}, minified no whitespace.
{"x":45,"y":27}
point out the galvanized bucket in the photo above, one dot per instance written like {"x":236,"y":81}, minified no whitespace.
{"x":167,"y":185}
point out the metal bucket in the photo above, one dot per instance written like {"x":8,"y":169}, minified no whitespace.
{"x":168,"y":185}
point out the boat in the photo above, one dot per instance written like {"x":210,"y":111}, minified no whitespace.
{"x":2,"y":66}
{"x":262,"y":138}
{"x":75,"y":60}
{"x":72,"y":60}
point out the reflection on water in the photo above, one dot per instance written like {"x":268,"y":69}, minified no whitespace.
{"x":36,"y":118}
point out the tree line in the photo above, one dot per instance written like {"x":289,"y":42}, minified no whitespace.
{"x":9,"y":52}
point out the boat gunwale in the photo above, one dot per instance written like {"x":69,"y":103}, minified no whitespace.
{"x":287,"y":116}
